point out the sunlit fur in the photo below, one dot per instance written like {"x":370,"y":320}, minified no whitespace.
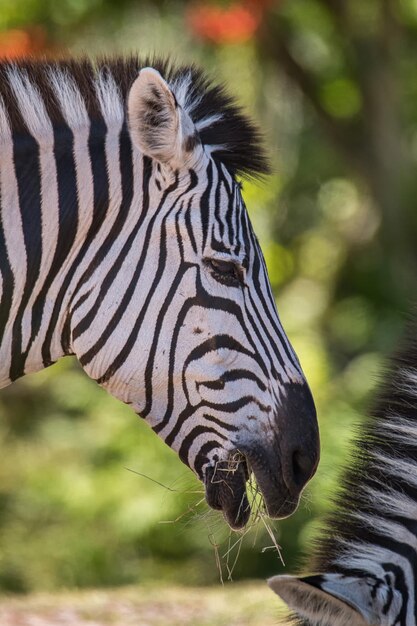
{"x":105,"y":245}
{"x":366,"y":555}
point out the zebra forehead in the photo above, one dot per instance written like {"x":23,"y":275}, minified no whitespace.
{"x":69,"y":89}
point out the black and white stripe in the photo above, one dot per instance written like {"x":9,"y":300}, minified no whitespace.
{"x":367,"y":554}
{"x":124,"y":240}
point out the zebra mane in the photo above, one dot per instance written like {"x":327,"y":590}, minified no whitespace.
{"x":229,"y":135}
{"x":379,"y":484}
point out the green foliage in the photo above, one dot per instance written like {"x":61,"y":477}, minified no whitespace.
{"x":90,"y":496}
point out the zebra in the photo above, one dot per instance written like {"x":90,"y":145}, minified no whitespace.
{"x":366,"y":556}
{"x":125,"y":241}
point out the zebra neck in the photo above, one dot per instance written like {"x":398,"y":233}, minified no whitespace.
{"x":60,"y":199}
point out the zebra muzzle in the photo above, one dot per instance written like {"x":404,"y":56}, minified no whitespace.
{"x":225,"y":484}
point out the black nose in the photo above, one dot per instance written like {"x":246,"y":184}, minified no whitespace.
{"x":299,"y":468}
{"x":299,"y":437}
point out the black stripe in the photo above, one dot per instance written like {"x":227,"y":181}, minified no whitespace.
{"x":189,"y":439}
{"x":188,"y":224}
{"x":238,"y":243}
{"x":232,"y":375}
{"x":7,"y":280}
{"x":217,"y":207}
{"x":202,"y":457}
{"x":216,"y":420}
{"x":27,"y":168}
{"x":205,"y":205}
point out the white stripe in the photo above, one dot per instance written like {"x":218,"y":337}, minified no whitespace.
{"x":387,"y":528}
{"x":5,"y":132}
{"x":181,"y":88}
{"x":399,"y":428}
{"x":69,"y":98}
{"x":31,"y":105}
{"x":110,"y":100}
{"x":401,"y":468}
{"x":209,"y":121}
{"x":391,"y":502}
{"x":13,"y":230}
{"x":407,"y":380}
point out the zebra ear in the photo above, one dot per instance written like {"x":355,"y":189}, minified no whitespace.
{"x":334,"y":599}
{"x":159,"y":127}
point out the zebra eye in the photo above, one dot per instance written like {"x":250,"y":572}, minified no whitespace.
{"x":226,"y":272}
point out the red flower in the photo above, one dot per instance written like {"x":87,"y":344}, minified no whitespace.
{"x":20,"y":43}
{"x":236,"y":24}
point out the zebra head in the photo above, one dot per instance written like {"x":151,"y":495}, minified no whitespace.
{"x":336,"y":599}
{"x":201,"y":353}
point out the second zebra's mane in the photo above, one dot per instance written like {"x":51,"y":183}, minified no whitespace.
{"x":380,"y":483}
{"x":87,"y":87}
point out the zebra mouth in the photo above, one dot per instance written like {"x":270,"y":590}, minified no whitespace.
{"x":225,"y":485}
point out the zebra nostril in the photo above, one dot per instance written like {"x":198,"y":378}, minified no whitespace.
{"x":301,"y":468}
{"x":298,"y":468}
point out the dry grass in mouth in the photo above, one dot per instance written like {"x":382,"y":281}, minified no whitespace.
{"x":226,"y":551}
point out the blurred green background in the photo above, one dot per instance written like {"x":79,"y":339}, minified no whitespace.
{"x":333,"y":84}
